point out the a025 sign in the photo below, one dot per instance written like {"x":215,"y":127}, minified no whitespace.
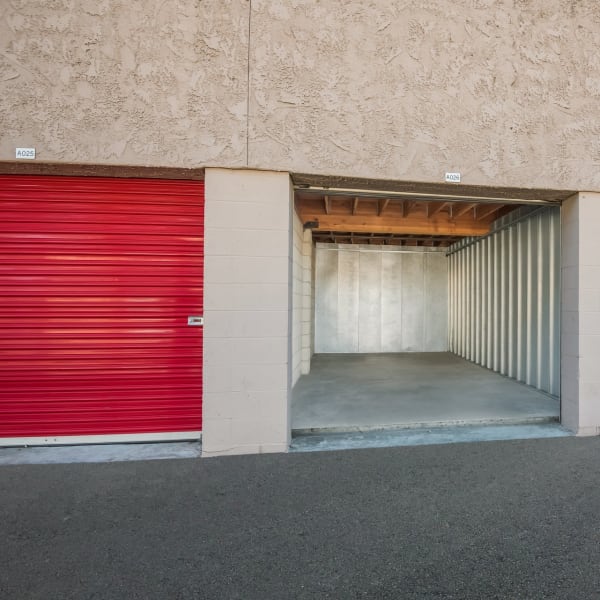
{"x":28,"y":153}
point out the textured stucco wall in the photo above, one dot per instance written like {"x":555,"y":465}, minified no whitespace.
{"x":142,"y":82}
{"x":504,"y":91}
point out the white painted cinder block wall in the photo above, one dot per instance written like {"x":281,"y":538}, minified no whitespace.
{"x":580,"y":322}
{"x":247,"y":300}
{"x":296,"y":299}
{"x":303,"y":290}
{"x":308,"y":301}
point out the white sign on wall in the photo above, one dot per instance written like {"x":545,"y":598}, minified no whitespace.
{"x":453,"y":177}
{"x":28,"y":153}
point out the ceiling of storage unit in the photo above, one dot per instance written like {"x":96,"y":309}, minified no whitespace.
{"x":395,"y":221}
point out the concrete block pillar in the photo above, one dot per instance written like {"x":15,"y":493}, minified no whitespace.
{"x":580,"y":322}
{"x":307,"y":316}
{"x":247,"y":312}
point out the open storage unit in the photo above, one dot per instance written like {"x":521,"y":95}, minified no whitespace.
{"x":389,"y":306}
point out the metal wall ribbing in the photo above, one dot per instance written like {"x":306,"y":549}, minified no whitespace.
{"x":98,"y":279}
{"x":504,"y":298}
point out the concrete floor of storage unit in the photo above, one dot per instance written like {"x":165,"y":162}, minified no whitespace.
{"x":347,"y":391}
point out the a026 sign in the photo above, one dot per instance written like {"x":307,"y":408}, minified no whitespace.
{"x":453,"y":177}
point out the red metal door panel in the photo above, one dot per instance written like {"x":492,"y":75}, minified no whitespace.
{"x":97,"y":280}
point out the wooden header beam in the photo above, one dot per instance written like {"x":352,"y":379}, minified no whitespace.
{"x":438,"y":225}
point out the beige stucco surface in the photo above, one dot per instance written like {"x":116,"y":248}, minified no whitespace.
{"x":142,"y":82}
{"x":504,"y":91}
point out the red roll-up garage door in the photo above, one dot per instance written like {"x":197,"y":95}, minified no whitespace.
{"x":98,"y":279}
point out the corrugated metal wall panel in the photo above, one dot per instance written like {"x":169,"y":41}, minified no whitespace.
{"x":97,"y":279}
{"x":504,"y":298}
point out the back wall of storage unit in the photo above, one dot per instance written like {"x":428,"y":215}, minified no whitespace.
{"x":380,"y":299}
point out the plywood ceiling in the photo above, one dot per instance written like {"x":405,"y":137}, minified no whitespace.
{"x":417,"y":222}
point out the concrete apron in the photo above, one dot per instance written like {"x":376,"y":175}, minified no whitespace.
{"x":370,"y":401}
{"x":98,"y":453}
{"x":379,"y":400}
{"x":302,"y":443}
{"x":423,"y":436}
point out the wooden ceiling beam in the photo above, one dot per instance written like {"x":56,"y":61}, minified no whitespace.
{"x":458,"y":210}
{"x":481,"y":212}
{"x":382,"y":206}
{"x":326,"y":203}
{"x":382,"y":239}
{"x":416,"y":224}
{"x":386,"y":237}
{"x":354,"y":205}
{"x":433,"y":208}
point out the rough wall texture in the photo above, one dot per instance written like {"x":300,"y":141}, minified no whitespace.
{"x":504,"y":91}
{"x":125,"y":82}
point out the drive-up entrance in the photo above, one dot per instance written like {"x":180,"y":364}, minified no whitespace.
{"x":430,"y":310}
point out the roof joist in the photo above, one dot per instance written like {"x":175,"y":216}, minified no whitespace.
{"x":354,"y":216}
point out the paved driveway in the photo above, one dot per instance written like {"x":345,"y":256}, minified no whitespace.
{"x":516,"y":519}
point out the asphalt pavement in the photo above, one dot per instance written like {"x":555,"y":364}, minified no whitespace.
{"x":508,"y":519}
